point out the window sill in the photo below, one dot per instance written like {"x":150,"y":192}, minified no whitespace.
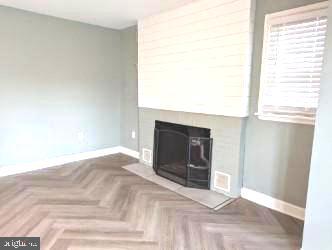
{"x":286,"y":119}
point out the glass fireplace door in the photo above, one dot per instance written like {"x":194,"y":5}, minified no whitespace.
{"x":172,"y":152}
{"x":199,"y":162}
{"x":183,"y":154}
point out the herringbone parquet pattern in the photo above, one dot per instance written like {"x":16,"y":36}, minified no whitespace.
{"x":96,"y":204}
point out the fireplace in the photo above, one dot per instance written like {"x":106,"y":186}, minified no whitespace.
{"x":183,"y":154}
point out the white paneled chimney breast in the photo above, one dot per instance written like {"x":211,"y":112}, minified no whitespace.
{"x":197,"y":58}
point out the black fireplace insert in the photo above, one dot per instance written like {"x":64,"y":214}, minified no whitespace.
{"x":183,"y":154}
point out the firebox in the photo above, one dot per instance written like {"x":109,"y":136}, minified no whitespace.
{"x":183,"y":154}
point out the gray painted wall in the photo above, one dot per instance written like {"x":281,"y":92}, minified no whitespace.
{"x":318,"y":220}
{"x":227,"y":134}
{"x":129,"y":103}
{"x":60,"y":85}
{"x":277,"y":155}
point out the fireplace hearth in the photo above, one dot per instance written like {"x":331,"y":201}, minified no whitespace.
{"x":183,"y":154}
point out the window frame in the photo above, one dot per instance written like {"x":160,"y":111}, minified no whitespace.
{"x":291,"y":15}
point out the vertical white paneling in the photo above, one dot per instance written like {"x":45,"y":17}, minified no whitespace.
{"x":197,"y":58}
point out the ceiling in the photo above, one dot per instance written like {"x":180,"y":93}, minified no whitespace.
{"x":116,"y":14}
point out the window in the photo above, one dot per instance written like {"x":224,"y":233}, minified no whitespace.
{"x":293,"y":52}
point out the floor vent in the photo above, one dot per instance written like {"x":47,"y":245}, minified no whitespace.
{"x":147,"y":155}
{"x":222,"y":181}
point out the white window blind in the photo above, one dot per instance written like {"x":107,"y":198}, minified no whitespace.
{"x":292,"y":64}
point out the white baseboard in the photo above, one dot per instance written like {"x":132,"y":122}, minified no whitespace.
{"x":57,"y":161}
{"x":129,"y":152}
{"x":272,"y":203}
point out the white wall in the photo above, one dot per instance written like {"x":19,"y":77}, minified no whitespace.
{"x":197,"y":58}
{"x":318,"y":220}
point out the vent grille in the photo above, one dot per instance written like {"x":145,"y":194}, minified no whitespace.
{"x":147,"y":156}
{"x":222,"y":181}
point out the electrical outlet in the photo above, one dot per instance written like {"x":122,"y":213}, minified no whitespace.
{"x":133,"y":134}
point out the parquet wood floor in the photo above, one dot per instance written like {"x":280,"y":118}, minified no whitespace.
{"x":96,"y":204}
